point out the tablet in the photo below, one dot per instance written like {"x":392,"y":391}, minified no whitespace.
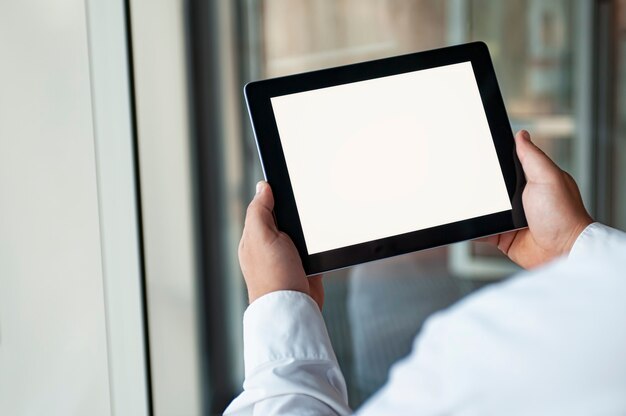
{"x":385,"y":157}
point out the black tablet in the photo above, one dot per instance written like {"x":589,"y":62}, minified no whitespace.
{"x":390,"y":156}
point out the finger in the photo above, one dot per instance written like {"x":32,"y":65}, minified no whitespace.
{"x":490,"y":239}
{"x":259,"y":215}
{"x":502,"y":241}
{"x":505,"y":240}
{"x":536,"y":164}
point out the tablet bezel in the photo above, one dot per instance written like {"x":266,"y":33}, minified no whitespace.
{"x":259,"y":93}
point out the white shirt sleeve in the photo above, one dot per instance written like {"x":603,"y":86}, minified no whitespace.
{"x":290,"y":366}
{"x":596,"y":239}
{"x":546,"y":342}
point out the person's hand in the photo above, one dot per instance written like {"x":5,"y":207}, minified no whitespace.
{"x":269,"y":260}
{"x":554,"y":210}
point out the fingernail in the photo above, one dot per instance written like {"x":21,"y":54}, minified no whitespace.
{"x":525,"y":135}
{"x":259,"y":187}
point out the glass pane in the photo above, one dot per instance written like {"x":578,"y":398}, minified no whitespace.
{"x":373,"y":311}
{"x":531,"y":46}
{"x":301,"y":35}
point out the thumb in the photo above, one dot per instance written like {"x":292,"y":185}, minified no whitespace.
{"x":536,"y":164}
{"x":259,"y":212}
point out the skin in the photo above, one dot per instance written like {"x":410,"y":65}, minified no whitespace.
{"x":268,"y":258}
{"x":554,"y":210}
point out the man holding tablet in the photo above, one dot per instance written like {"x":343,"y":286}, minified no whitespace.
{"x":549,"y":341}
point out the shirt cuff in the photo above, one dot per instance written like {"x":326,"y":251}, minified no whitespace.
{"x":284,"y":324}
{"x":597,"y":238}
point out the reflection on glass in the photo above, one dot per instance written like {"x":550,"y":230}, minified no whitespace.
{"x":530,"y":43}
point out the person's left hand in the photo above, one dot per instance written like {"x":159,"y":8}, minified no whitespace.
{"x":269,"y":260}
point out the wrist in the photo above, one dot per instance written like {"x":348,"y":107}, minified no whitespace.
{"x":258,"y":292}
{"x":575,"y":233}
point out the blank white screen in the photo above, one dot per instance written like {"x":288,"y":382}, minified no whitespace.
{"x":386,"y":156}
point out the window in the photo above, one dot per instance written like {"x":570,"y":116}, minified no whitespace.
{"x":546,"y":56}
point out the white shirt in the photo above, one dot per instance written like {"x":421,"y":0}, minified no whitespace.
{"x":546,"y":342}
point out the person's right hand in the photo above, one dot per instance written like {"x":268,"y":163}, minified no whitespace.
{"x":554,"y":210}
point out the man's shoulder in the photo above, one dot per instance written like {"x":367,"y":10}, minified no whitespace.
{"x":549,"y":332}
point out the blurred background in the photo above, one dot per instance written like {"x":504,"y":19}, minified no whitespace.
{"x":127,"y":161}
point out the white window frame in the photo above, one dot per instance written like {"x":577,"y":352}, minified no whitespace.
{"x":117,"y":204}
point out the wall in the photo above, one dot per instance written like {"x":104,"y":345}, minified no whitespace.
{"x":53,"y":353}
